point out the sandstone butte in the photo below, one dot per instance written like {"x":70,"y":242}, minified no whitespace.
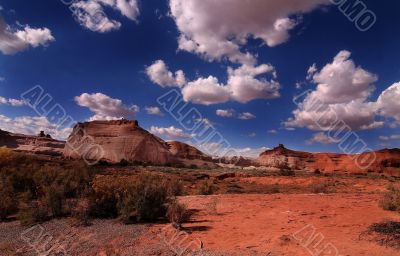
{"x":115,"y":141}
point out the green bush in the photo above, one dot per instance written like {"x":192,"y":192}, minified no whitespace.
{"x":391,"y":200}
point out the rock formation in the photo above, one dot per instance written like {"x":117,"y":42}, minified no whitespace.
{"x":114,"y":141}
{"x":237,"y":161}
{"x":384,"y":161}
{"x":185,"y":151}
{"x":31,"y":144}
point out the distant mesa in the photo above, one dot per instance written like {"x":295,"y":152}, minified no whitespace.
{"x":385,"y":161}
{"x":42,"y":144}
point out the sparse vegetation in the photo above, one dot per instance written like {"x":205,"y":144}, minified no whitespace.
{"x":80,"y":212}
{"x":8,"y":202}
{"x":317,"y":172}
{"x":388,"y":232}
{"x":206,"y":187}
{"x":391,"y":200}
{"x":287,"y":172}
{"x":145,"y":199}
{"x":322,"y":188}
{"x":47,"y":189}
{"x":34,"y":212}
{"x":178,"y":214}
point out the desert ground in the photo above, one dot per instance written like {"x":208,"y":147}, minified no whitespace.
{"x":246,"y":213}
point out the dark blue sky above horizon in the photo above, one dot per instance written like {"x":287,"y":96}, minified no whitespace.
{"x":114,"y":63}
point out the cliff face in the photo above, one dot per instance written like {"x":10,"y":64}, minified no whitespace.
{"x":385,"y":161}
{"x":185,"y":151}
{"x":31,"y":144}
{"x":113,"y":141}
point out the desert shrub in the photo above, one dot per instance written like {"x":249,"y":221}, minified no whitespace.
{"x":35,"y":212}
{"x":7,"y":156}
{"x":45,"y":183}
{"x":145,"y":200}
{"x":54,"y":199}
{"x":133,"y":199}
{"x":391,"y":200}
{"x":80,"y":212}
{"x":103,"y":202}
{"x":205,"y":187}
{"x":8,"y":202}
{"x":319,"y":188}
{"x":234,"y":189}
{"x":317,"y":172}
{"x":388,"y":233}
{"x":193,"y":166}
{"x":178,"y":213}
{"x":287,"y":172}
{"x":175,"y":187}
{"x":178,"y":165}
{"x":273,"y":189}
{"x":123,"y":163}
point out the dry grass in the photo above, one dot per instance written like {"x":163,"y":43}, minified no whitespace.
{"x":178,"y":213}
{"x":388,"y":233}
{"x":391,"y":200}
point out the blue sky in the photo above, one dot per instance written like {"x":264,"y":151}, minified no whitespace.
{"x":73,"y":60}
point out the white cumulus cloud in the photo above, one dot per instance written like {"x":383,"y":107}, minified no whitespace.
{"x":12,"y":102}
{"x":91,"y":14}
{"x":105,"y":107}
{"x":226,"y":112}
{"x":342,"y":94}
{"x":206,"y":91}
{"x":322,"y":138}
{"x":246,"y":116}
{"x":13,"y":41}
{"x":231,"y":113}
{"x":391,"y":137}
{"x":218,"y":29}
{"x":389,"y":102}
{"x":243,"y":84}
{"x":154,"y":111}
{"x":159,"y":73}
{"x":170,"y":132}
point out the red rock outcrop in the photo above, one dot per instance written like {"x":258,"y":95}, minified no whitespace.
{"x":384,"y":161}
{"x":185,"y":151}
{"x":31,"y":144}
{"x":237,"y":161}
{"x":114,"y":141}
